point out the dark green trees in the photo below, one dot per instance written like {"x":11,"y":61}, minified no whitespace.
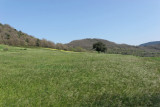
{"x":37,"y":42}
{"x":100,"y":47}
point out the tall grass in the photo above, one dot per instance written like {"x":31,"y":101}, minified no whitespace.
{"x":40,"y":77}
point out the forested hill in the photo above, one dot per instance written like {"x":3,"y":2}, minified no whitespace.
{"x":151,"y":43}
{"x":88,"y":43}
{"x":114,"y":47}
{"x":11,"y":36}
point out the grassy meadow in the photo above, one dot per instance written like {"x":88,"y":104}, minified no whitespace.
{"x":38,"y":77}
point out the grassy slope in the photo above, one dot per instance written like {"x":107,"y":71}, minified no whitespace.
{"x":35,"y":77}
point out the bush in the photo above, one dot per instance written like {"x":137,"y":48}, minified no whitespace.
{"x":5,"y":49}
{"x":79,"y":49}
{"x":23,"y":49}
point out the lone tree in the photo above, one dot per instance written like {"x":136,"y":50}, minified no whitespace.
{"x":100,"y":47}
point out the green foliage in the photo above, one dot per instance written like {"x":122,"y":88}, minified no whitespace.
{"x":20,"y":33}
{"x":5,"y":49}
{"x":7,"y":36}
{"x":27,"y":40}
{"x":37,"y":42}
{"x":77,"y":49}
{"x":41,"y":78}
{"x":99,"y":47}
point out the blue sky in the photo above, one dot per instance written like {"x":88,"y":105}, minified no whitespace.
{"x":121,"y":21}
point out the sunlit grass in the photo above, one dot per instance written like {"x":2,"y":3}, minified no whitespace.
{"x":61,"y":50}
{"x":41,"y":77}
{"x":52,"y":49}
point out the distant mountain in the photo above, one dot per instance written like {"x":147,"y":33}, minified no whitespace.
{"x":114,"y":47}
{"x":151,"y":43}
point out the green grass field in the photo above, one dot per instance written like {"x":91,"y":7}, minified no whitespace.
{"x":42,"y":77}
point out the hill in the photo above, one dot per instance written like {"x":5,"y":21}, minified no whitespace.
{"x":11,"y":36}
{"x":150,"y":43}
{"x":88,"y":43}
{"x":114,"y":47}
{"x":36,"y":77}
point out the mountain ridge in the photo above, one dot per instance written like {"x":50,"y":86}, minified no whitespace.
{"x":153,"y":45}
{"x":150,"y":43}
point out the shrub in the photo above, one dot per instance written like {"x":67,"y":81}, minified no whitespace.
{"x":5,"y":49}
{"x":79,"y":49}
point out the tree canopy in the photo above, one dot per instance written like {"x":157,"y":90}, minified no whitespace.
{"x":100,"y":47}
